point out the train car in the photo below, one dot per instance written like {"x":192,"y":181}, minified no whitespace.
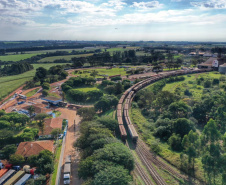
{"x":15,"y":178}
{"x":126,"y":106}
{"x":133,"y":132}
{"x":126,"y":113}
{"x":7,"y":176}
{"x":119,"y":106}
{"x":119,"y":114}
{"x":127,"y":121}
{"x":2,"y":172}
{"x":120,"y":122}
{"x":122,"y":131}
{"x":24,"y":179}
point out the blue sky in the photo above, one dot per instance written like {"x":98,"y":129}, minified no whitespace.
{"x":170,"y":20}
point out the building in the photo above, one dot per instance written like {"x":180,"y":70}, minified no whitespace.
{"x":49,"y":125}
{"x":27,"y":149}
{"x":52,"y":100}
{"x":222,"y":68}
{"x":211,"y":62}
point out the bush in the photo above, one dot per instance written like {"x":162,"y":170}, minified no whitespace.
{"x":207,"y":84}
{"x":46,"y":86}
{"x":175,"y":142}
{"x":216,"y":81}
{"x":117,"y":78}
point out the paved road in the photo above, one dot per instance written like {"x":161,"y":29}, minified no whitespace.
{"x":71,"y":137}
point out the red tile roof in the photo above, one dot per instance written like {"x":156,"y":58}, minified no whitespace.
{"x":27,"y":149}
{"x":50,"y":124}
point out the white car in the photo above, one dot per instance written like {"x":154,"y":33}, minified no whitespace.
{"x":66,"y":178}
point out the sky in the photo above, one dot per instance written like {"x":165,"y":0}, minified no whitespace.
{"x":113,"y":20}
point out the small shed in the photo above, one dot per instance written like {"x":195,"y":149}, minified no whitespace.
{"x":52,"y":100}
{"x":222,"y":68}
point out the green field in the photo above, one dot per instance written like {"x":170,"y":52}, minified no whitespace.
{"x":10,"y":83}
{"x":66,"y":57}
{"x":196,"y":90}
{"x":109,"y":72}
{"x":16,"y":57}
{"x":87,"y":89}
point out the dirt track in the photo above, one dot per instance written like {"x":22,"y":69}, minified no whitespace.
{"x":70,"y":115}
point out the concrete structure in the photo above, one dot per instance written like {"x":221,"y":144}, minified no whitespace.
{"x":222,"y":68}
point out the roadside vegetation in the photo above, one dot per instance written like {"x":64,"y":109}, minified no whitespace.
{"x":105,"y":160}
{"x":182,"y":119}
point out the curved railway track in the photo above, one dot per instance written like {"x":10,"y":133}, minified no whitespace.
{"x":146,"y":157}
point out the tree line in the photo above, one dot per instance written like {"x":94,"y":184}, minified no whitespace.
{"x":105,"y":160}
{"x":15,"y":68}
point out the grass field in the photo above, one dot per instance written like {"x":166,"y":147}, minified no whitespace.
{"x":16,"y":58}
{"x":86,"y":89}
{"x":196,"y":90}
{"x":31,"y":93}
{"x":10,"y":83}
{"x":66,"y":57}
{"x":109,"y":72}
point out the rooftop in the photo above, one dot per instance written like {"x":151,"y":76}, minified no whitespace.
{"x":50,"y":124}
{"x":27,"y":149}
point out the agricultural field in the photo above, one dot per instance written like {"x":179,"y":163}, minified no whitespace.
{"x":16,"y":57}
{"x":66,"y":57}
{"x":10,"y":83}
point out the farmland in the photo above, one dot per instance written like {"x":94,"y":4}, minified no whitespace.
{"x":66,"y":57}
{"x":16,"y":57}
{"x":10,"y":83}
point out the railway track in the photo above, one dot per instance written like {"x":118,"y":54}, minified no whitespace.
{"x":139,"y":171}
{"x":156,"y":161}
{"x":142,"y":151}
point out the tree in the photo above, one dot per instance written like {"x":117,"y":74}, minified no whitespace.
{"x":16,"y":159}
{"x":175,"y":142}
{"x":8,"y":150}
{"x":46,"y":86}
{"x":182,"y":126}
{"x":45,"y":92}
{"x":210,"y":132}
{"x":121,"y":153}
{"x":55,"y":132}
{"x":118,"y":88}
{"x":40,"y":120}
{"x":31,"y":110}
{"x":179,"y":109}
{"x":94,"y":73}
{"x":108,"y":122}
{"x":41,"y":74}
{"x":87,"y":113}
{"x":112,"y":176}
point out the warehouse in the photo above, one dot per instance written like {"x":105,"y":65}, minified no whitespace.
{"x":52,"y":100}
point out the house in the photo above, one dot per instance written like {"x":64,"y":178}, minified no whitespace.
{"x":27,"y":149}
{"x":209,"y":63}
{"x":49,"y":125}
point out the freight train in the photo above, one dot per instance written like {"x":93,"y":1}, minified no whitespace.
{"x":127,"y":97}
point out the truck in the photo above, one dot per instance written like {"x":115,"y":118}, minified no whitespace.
{"x":24,"y":179}
{"x":7,"y":176}
{"x":67,"y":173}
{"x":68,"y":159}
{"x":15,"y":178}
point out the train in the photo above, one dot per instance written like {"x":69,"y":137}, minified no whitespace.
{"x":127,"y":97}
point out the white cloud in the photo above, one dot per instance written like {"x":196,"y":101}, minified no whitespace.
{"x":176,"y":0}
{"x":215,"y":4}
{"x":147,"y":5}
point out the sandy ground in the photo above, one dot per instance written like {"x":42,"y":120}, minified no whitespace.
{"x":71,"y":137}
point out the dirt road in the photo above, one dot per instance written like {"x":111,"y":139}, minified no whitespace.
{"x":70,"y":115}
